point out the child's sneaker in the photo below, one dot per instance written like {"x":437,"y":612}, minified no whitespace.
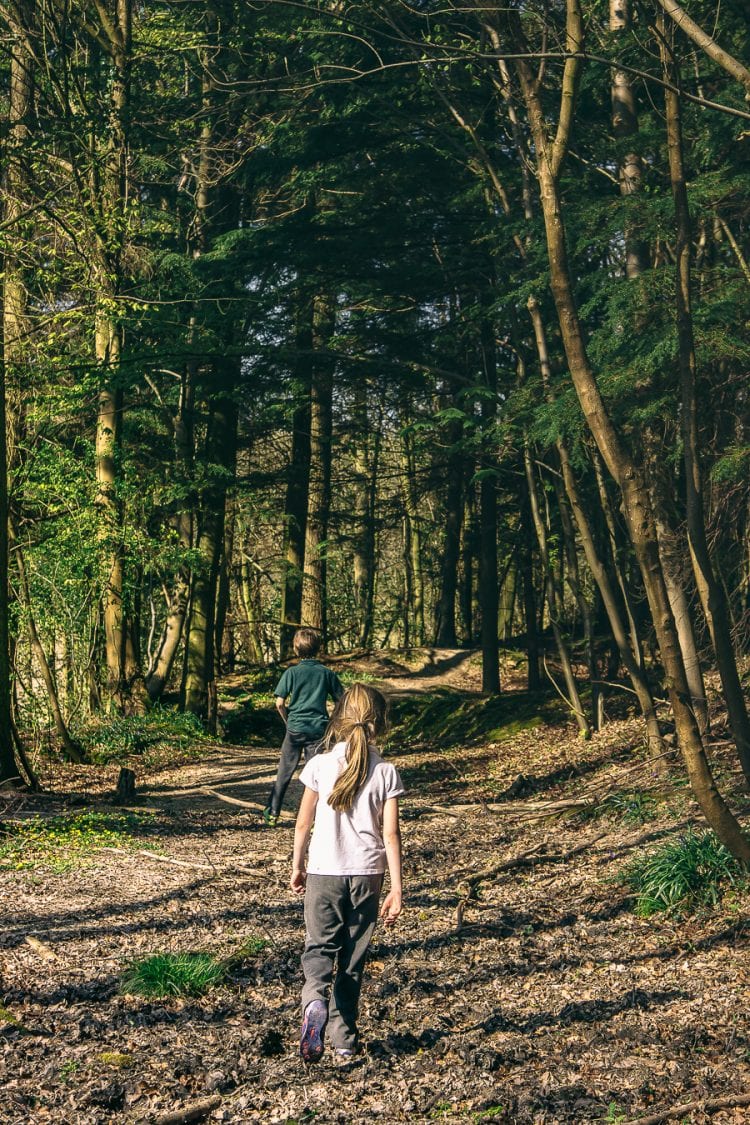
{"x":270,"y":819}
{"x":311,"y":1045}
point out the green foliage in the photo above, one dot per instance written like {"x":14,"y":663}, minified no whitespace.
{"x":173,"y":974}
{"x":679,"y":877}
{"x":61,"y":842}
{"x":160,"y":733}
{"x":627,"y":807}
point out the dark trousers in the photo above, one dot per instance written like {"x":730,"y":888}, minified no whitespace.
{"x":340,"y":916}
{"x":295,"y":744}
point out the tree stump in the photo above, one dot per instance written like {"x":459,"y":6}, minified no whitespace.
{"x":125,"y":793}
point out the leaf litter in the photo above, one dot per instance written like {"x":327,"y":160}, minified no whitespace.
{"x":518,"y":986}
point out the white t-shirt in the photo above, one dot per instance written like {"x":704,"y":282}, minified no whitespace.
{"x":349,"y":843}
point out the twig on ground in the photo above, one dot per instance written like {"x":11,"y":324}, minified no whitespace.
{"x":708,"y":1106}
{"x":195,"y":1111}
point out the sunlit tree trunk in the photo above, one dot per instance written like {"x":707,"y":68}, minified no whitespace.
{"x":636,"y":501}
{"x":710,"y":588}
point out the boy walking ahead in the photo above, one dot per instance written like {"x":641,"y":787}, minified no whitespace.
{"x":307,"y":686}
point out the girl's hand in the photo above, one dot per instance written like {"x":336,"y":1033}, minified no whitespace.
{"x":298,"y":880}
{"x":391,"y":908}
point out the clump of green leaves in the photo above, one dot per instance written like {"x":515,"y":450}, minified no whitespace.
{"x":691,"y":872}
{"x":173,"y":974}
{"x":68,"y":840}
{"x":161,"y":733}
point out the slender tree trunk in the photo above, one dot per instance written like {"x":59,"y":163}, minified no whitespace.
{"x":248,"y":590}
{"x":222,"y":640}
{"x":412,"y":536}
{"x":298,"y":481}
{"x":445,"y":634}
{"x":625,"y":127}
{"x":534,"y":677}
{"x":366,"y":463}
{"x":178,"y":597}
{"x":636,"y":501}
{"x":469,"y":537}
{"x":70,"y":748}
{"x":315,"y":586}
{"x":710,"y":589}
{"x":488,"y":577}
{"x":554,"y":598}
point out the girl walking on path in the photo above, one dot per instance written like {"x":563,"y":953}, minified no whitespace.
{"x":351,"y":795}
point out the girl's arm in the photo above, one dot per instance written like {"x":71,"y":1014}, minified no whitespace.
{"x":392,"y":839}
{"x":305,"y":818}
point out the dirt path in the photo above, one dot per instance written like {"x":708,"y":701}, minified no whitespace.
{"x":549,"y":1002}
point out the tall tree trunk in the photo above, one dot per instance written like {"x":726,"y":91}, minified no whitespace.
{"x":554,"y":598}
{"x":710,"y":589}
{"x":412,"y":534}
{"x":223,"y":647}
{"x":625,"y":127}
{"x":298,"y":480}
{"x":366,"y":462}
{"x":534,"y":677}
{"x":631,"y":659}
{"x":125,"y":684}
{"x":179,"y":595}
{"x":315,"y":586}
{"x":199,"y":683}
{"x":636,"y":501}
{"x":489,"y":594}
{"x":13,"y":144}
{"x":445,"y":634}
{"x":469,"y":538}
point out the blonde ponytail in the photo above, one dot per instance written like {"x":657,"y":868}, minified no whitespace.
{"x":358,"y":717}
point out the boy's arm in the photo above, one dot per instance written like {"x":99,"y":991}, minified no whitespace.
{"x":305,"y":818}
{"x":281,"y":707}
{"x":335,"y":687}
{"x":392,"y":839}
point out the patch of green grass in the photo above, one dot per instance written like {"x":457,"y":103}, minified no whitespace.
{"x":68,"y":1069}
{"x":173,"y":974}
{"x":349,"y":678}
{"x":251,"y":946}
{"x":691,"y":872}
{"x":161,"y":733}
{"x":66,"y":841}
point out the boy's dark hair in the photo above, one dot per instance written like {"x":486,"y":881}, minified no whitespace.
{"x":306,"y":642}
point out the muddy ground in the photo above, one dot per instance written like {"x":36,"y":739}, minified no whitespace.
{"x":519,"y":986}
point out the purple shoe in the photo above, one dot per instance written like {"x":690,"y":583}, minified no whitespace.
{"x":311,"y":1045}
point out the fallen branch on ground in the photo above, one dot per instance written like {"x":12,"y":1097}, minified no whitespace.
{"x":185,"y":863}
{"x":195,"y":1111}
{"x":231,"y":800}
{"x":708,"y":1106}
{"x":472,"y":882}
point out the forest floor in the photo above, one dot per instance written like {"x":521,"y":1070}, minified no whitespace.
{"x":518,"y":986}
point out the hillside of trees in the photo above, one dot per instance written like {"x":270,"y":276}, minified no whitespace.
{"x":424,"y":324}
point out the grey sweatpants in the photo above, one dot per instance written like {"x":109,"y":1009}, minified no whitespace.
{"x":340,"y":916}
